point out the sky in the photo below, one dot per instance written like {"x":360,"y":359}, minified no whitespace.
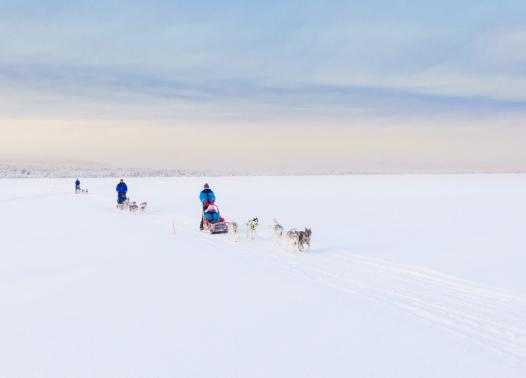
{"x":328,"y":85}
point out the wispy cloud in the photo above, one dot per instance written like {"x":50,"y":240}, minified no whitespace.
{"x":382,"y":43}
{"x":87,"y":92}
{"x":240,"y":66}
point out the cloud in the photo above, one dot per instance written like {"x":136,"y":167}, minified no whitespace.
{"x":335,"y":71}
{"x":377,"y":43}
{"x":84,"y":92}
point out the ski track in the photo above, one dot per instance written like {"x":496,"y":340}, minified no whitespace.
{"x":490,"y":317}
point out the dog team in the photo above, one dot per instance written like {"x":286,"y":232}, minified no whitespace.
{"x":123,"y":202}
{"x":300,"y":240}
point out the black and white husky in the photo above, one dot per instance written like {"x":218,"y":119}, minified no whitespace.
{"x":133,"y":207}
{"x":252,"y":225}
{"x":304,"y":239}
{"x":142,"y":206}
{"x":233,"y":231}
{"x":299,"y":239}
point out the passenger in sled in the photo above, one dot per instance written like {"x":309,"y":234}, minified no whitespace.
{"x":212,"y":216}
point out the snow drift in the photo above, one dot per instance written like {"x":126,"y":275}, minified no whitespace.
{"x":408,"y":276}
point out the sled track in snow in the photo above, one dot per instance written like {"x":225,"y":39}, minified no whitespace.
{"x":491,"y":317}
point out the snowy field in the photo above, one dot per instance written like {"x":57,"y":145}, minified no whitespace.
{"x":408,"y":276}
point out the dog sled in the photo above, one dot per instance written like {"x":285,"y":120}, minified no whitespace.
{"x":123,"y":202}
{"x":80,"y":190}
{"x":213,"y":223}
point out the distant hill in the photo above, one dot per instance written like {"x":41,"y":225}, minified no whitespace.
{"x":35,"y":167}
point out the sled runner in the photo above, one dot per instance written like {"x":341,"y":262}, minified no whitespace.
{"x":213,"y":223}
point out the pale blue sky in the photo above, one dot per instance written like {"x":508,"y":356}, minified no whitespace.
{"x":169,"y":68}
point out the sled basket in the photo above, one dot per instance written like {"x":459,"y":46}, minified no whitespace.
{"x":217,"y":228}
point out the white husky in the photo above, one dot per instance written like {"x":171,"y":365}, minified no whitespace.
{"x":278,"y":231}
{"x":292,"y":237}
{"x":233,"y":231}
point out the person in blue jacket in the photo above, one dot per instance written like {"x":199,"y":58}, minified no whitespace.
{"x":207,"y":198}
{"x":122,"y":189}
{"x":77,"y":185}
{"x":212,"y":215}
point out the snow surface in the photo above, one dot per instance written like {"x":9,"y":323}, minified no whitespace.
{"x":408,"y":276}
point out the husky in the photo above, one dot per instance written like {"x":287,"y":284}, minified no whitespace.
{"x":142,"y":206}
{"x":278,"y":231}
{"x":233,"y":231}
{"x":292,"y":237}
{"x":304,"y":239}
{"x":252,"y":225}
{"x":133,"y":207}
{"x":299,"y":239}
